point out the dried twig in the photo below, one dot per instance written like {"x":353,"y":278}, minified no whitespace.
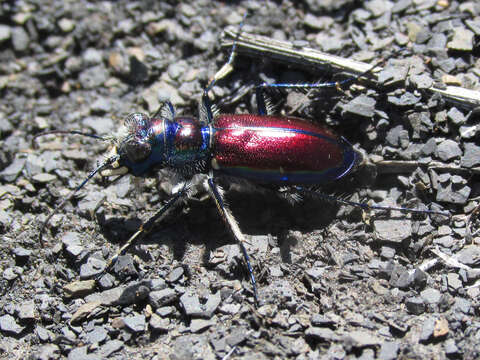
{"x":284,"y":51}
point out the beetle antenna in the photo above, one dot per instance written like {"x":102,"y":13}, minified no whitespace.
{"x":66,"y":132}
{"x":103,"y":165}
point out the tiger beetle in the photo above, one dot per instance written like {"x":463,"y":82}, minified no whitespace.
{"x":267,"y":149}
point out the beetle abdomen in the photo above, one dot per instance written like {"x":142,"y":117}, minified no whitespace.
{"x":279,"y":149}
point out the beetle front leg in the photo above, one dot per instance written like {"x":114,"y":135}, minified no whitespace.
{"x":145,"y":228}
{"x":226,"y":69}
{"x":165,"y":110}
{"x":217,"y":194}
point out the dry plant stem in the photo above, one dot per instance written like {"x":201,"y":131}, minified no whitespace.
{"x":284,"y":51}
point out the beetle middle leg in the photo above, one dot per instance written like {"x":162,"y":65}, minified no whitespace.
{"x":260,"y":89}
{"x":216,"y":193}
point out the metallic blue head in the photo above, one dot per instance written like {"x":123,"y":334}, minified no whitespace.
{"x":180,"y":143}
{"x":143,"y":147}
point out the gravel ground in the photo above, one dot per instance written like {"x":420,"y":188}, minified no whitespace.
{"x":333,"y":282}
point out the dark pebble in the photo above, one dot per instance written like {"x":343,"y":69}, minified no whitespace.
{"x":124,"y":266}
{"x":135,"y":323}
{"x":199,"y":325}
{"x":471,"y":156}
{"x":93,"y":77}
{"x":26,"y":311}
{"x":389,"y":350}
{"x":11,"y":172}
{"x":175,"y":274}
{"x":161,"y":298}
{"x":5,"y":32}
{"x":470,"y":256}
{"x":22,"y":254}
{"x":122,"y":295}
{"x":20,"y":39}
{"x":415,"y":305}
{"x":430,"y":296}
{"x":407,"y":99}
{"x":427,"y":330}
{"x":451,"y":348}
{"x":110,"y":347}
{"x":362,"y":105}
{"x":9,"y":325}
{"x":47,"y":352}
{"x":97,"y":335}
{"x":456,"y":117}
{"x":158,"y":323}
{"x":92,"y":267}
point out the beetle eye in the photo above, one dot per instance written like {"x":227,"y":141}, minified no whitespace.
{"x":137,"y":151}
{"x":136,"y":121}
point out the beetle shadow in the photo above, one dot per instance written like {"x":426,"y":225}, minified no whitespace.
{"x":258,"y":212}
{"x":168,"y":231}
{"x":268,"y":212}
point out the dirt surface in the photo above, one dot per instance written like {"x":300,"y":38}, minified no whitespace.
{"x":333,"y":282}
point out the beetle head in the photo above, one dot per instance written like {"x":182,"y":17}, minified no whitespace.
{"x":133,"y":146}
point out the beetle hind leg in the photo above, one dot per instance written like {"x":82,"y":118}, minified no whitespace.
{"x":216,"y":193}
{"x":290,"y":194}
{"x":364,"y":205}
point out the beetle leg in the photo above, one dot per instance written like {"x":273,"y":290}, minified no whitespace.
{"x":366,"y":206}
{"x":260,"y":89}
{"x":145,"y":228}
{"x":165,"y":110}
{"x":226,"y":69}
{"x":217,"y":194}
